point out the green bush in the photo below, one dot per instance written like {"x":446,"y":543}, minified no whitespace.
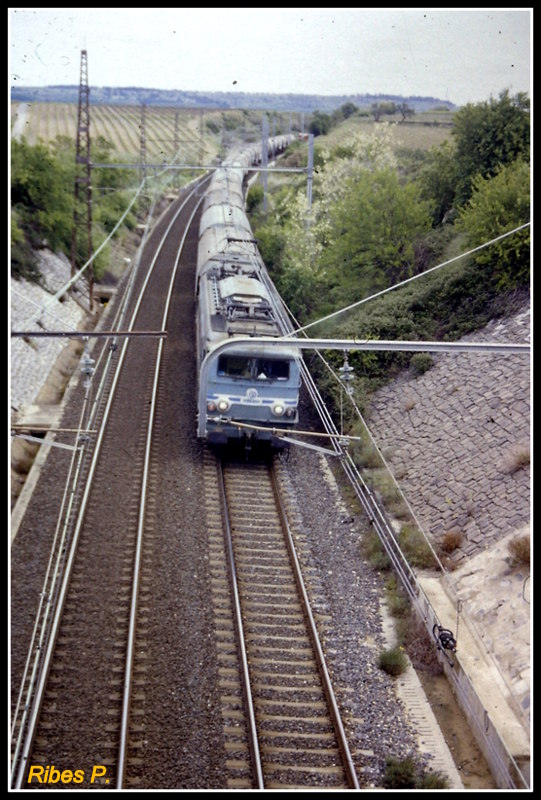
{"x":254,"y":197}
{"x":362,"y":450}
{"x":394,"y":662}
{"x":405,"y":775}
{"x":375,"y":552}
{"x":499,"y":204}
{"x":398,"y":604}
{"x":432,"y":780}
{"x":421,"y":362}
{"x":415,"y":547}
{"x":400,"y":774}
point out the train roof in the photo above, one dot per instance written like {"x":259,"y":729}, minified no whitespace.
{"x":245,"y":289}
{"x":237,"y":305}
{"x":225,"y":217}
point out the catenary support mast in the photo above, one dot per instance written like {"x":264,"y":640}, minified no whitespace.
{"x":82,"y":177}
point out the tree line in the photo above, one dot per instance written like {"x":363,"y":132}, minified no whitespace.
{"x":262,"y":101}
{"x":42,"y":203}
{"x":377,"y":219}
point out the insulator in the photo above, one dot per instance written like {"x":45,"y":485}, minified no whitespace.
{"x":87,"y":368}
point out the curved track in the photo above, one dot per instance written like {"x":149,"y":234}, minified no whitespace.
{"x":81,"y":672}
{"x":179,"y":711}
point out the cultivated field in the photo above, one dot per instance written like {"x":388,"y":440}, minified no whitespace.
{"x":421,"y":132}
{"x":189,"y":136}
{"x":166,"y":131}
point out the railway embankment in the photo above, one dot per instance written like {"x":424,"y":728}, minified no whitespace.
{"x":33,"y":359}
{"x":457,"y":439}
{"x":40,"y":368}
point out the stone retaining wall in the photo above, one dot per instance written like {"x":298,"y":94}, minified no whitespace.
{"x":457,"y":439}
{"x":32,"y":360}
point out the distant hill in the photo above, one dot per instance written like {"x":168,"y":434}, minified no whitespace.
{"x":107,"y":95}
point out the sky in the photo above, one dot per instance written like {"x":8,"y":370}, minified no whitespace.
{"x":457,"y":55}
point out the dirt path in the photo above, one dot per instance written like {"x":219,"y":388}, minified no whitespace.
{"x":467,"y":756}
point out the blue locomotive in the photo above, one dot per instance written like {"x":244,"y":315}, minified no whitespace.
{"x":246,"y":390}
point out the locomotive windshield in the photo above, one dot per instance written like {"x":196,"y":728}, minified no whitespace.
{"x":231,"y":366}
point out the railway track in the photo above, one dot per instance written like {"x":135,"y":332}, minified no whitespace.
{"x":81,"y":680}
{"x":158,"y":718}
{"x":294,"y":737}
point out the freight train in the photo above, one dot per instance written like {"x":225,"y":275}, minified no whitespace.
{"x":246,"y":391}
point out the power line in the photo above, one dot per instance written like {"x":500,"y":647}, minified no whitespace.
{"x":407,"y":280}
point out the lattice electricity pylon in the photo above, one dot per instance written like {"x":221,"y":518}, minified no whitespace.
{"x":82,"y":179}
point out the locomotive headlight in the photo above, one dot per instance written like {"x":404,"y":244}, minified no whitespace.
{"x":278,"y":409}
{"x":223,"y":405}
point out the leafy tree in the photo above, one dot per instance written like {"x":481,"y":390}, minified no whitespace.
{"x":39,"y":193}
{"x":487,"y":135}
{"x":23,"y":261}
{"x":358,"y":235}
{"x":320,"y":124}
{"x":499,"y":204}
{"x":438,"y":179}
{"x":345,"y":111}
{"x":110,"y":197}
{"x":373,"y":231}
{"x":270,"y":242}
{"x":405,"y":110}
{"x":42,"y":181}
{"x":380,"y":109}
{"x":370,"y":226}
{"x":254,"y":197}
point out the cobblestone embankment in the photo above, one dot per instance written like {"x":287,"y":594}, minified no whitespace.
{"x":457,"y":439}
{"x":454,"y":437}
{"x":32,"y":360}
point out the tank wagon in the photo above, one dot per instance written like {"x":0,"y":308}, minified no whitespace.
{"x":246,"y":391}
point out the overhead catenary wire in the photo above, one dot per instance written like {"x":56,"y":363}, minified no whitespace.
{"x":407,"y":280}
{"x":303,"y":329}
{"x":66,"y":286}
{"x":78,"y":274}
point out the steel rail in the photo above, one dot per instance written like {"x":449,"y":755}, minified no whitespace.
{"x":45,"y":656}
{"x":341,"y":737}
{"x":253,"y":742}
{"x":124,"y":723}
{"x":45,"y":608}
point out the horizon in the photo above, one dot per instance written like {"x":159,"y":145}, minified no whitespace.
{"x":459,"y":55}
